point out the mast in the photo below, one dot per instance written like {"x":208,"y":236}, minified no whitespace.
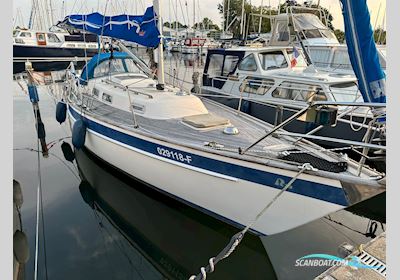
{"x":377,"y":16}
{"x":169,"y":17}
{"x":176,"y":19}
{"x":242,"y":19}
{"x":227,"y":15}
{"x":160,"y":71}
{"x":261,"y":12}
{"x":194,"y":17}
{"x":223,"y":12}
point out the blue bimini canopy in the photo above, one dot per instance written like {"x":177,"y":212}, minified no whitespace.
{"x":362,"y":51}
{"x":88,"y":70}
{"x":140,"y":29}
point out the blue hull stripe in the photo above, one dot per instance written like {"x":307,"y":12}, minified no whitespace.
{"x":302,"y":187}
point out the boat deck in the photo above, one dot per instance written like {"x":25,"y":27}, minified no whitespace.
{"x":175,"y":130}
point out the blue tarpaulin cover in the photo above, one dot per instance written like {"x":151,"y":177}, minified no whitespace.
{"x":140,"y":29}
{"x":362,"y":50}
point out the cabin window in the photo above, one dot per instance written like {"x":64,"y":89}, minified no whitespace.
{"x":107,"y":98}
{"x":273,"y":60}
{"x":327,"y":33}
{"x":299,"y":92}
{"x":346,"y":92}
{"x":215,"y":66}
{"x":320,"y":57}
{"x":230,"y":64}
{"x":25,"y":34}
{"x":131,"y":66}
{"x":138,"y":108}
{"x":40,"y":37}
{"x":248,"y":63}
{"x":312,"y":33}
{"x":53,"y":38}
{"x":15,"y":33}
{"x":256,"y":85}
{"x":282,"y":31}
{"x":95,"y":92}
{"x":341,"y":60}
{"x":107,"y":67}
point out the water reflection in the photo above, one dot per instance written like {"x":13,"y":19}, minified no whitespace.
{"x":173,"y":238}
{"x":176,"y":240}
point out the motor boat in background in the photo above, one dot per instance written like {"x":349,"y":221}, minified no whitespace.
{"x":50,"y":51}
{"x":309,"y":26}
{"x":273,"y":83}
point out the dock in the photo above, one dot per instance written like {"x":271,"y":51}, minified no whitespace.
{"x":372,"y":253}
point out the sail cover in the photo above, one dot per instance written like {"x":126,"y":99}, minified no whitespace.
{"x":140,"y":29}
{"x":362,"y":50}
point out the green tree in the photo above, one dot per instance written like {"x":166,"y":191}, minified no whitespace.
{"x":339,"y":35}
{"x":174,"y":24}
{"x":206,"y":23}
{"x":380,"y":36}
{"x":235,"y":10}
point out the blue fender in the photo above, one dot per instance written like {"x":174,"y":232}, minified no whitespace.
{"x":78,"y":134}
{"x":61,"y":112}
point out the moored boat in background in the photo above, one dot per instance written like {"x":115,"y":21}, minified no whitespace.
{"x":50,"y":51}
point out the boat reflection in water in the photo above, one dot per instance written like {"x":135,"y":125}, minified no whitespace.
{"x":175,"y":240}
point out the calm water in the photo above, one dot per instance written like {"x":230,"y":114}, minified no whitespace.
{"x":101,"y":224}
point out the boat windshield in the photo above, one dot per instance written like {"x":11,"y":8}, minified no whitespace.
{"x":115,"y":66}
{"x":299,"y":92}
{"x":273,"y":60}
{"x":346,"y":92}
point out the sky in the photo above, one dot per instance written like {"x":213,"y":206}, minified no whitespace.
{"x":204,"y":8}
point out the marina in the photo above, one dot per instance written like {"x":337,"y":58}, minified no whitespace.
{"x":118,"y":243}
{"x":148,"y":151}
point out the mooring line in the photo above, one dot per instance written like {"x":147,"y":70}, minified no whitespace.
{"x":237,"y":238}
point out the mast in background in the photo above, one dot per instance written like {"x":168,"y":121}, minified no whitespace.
{"x":261,"y":12}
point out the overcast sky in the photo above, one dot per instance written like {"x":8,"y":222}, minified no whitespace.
{"x":205,"y":8}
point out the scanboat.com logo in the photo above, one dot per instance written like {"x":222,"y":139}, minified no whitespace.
{"x":330,"y":260}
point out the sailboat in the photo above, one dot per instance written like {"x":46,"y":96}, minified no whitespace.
{"x":47,"y":47}
{"x":209,"y":156}
{"x":51,"y":51}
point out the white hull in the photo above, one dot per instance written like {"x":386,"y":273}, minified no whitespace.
{"x":231,"y":199}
